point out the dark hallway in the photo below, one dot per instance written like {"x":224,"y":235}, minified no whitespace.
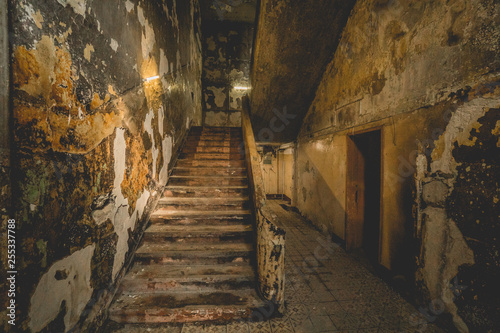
{"x":249,"y":166}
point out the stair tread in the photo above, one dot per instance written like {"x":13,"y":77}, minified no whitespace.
{"x":209,"y":177}
{"x":165,"y":212}
{"x":193,"y":307}
{"x":157,"y":271}
{"x":179,"y":299}
{"x":198,"y":187}
{"x":207,"y":248}
{"x":202,"y":200}
{"x":198,"y":229}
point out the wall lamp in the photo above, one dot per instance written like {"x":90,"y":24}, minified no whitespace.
{"x":242,"y":88}
{"x":151,"y":78}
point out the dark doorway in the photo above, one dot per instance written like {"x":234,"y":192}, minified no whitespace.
{"x":363,"y":194}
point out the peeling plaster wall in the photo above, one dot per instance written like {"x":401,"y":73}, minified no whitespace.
{"x":93,"y":142}
{"x":5,"y":182}
{"x":426,"y":74}
{"x":227,"y":51}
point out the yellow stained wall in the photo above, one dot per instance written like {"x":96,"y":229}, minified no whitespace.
{"x":398,"y":65}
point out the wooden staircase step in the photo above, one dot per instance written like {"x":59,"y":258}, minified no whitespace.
{"x":148,"y":248}
{"x":212,"y":156}
{"x":185,"y":307}
{"x":220,"y":163}
{"x":200,"y":213}
{"x":213,"y":181}
{"x":201,"y":220}
{"x":219,"y":150}
{"x":180,"y":271}
{"x":194,"y":253}
{"x":202,"y":200}
{"x":216,"y":144}
{"x":200,"y":283}
{"x":206,"y":192}
{"x":199,"y":233}
{"x":203,"y":171}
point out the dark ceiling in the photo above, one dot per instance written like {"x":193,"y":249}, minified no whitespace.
{"x":228,"y":10}
{"x":295,"y":41}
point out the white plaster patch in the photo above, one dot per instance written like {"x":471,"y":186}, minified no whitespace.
{"x":79,"y":6}
{"x":220,"y":96}
{"x":114,"y":44}
{"x":87,"y":53}
{"x":161,"y":117}
{"x":102,"y":215}
{"x":167,"y":145}
{"x":72,"y":286}
{"x":121,"y":218}
{"x":129,"y":6}
{"x":141,"y":203}
{"x":148,"y":36}
{"x":163,"y":68}
{"x":148,"y":127}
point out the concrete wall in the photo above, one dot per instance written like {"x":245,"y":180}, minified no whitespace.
{"x":426,"y":74}
{"x":227,"y":50}
{"x":93,"y":142}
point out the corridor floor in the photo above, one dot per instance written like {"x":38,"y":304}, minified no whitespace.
{"x":333,"y":293}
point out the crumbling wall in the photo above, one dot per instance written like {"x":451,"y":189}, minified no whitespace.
{"x":227,"y":50}
{"x":426,"y":74}
{"x":93,"y":140}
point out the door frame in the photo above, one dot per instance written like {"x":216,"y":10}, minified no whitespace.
{"x":349,"y":146}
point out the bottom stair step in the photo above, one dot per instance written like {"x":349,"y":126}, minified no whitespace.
{"x":185,"y":307}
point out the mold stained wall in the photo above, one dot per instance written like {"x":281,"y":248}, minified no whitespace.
{"x":93,"y":142}
{"x":227,"y":51}
{"x":427,"y":74}
{"x":5,"y":186}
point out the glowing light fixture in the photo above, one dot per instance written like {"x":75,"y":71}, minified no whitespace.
{"x":151,"y":78}
{"x":242,"y":88}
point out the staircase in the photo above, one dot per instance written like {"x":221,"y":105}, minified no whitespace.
{"x":195,"y":260}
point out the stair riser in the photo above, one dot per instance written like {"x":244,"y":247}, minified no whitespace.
{"x":212,"y":156}
{"x":209,"y":172}
{"x":220,"y":150}
{"x":182,"y":206}
{"x":223,"y":193}
{"x":200,"y":221}
{"x":179,"y":317}
{"x":144,"y":286}
{"x":208,"y":182}
{"x":216,"y":138}
{"x":246,"y":237}
{"x":213,"y":144}
{"x":219,"y":205}
{"x":187,"y":163}
{"x":176,"y":260}
{"x":180,"y":272}
{"x":199,"y":129}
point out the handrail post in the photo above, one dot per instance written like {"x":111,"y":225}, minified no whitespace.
{"x":270,"y":237}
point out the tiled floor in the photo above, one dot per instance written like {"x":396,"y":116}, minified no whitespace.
{"x":326,"y":290}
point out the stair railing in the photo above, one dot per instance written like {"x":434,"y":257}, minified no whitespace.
{"x":270,"y":240}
